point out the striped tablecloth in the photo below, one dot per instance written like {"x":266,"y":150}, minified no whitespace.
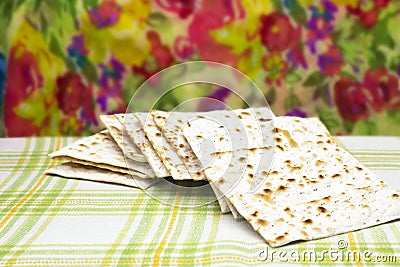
{"x":54,"y":221}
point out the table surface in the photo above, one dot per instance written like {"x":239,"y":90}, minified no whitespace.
{"x":47,"y":220}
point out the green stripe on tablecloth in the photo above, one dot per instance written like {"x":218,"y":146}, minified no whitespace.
{"x":19,"y":164}
{"x":46,"y":223}
{"x":31,"y":221}
{"x":178,"y":250}
{"x":128,"y":224}
{"x":245,"y":252}
{"x":9,"y":218}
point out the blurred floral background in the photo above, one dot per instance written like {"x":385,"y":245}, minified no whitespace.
{"x":62,"y":63}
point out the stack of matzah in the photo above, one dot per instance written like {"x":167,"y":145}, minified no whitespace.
{"x":286,"y":176}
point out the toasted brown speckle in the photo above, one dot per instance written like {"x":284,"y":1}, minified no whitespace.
{"x":262,"y":222}
{"x":242,"y":159}
{"x":250,"y":175}
{"x":337,"y":175}
{"x":254,"y":214}
{"x":322,"y":209}
{"x":249,"y":166}
{"x":280,"y":238}
{"x":395,"y":195}
{"x":282,"y":188}
{"x":308,"y":221}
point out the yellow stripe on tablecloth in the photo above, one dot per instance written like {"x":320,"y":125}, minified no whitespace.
{"x":159,"y":249}
{"x":30,"y":193}
{"x":353,"y":246}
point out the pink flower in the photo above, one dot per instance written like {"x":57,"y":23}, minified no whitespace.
{"x":183,"y":48}
{"x":184,"y":8}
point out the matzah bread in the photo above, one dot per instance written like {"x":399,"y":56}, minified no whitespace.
{"x":172,"y":124}
{"x":135,"y":132}
{"x":114,"y":127}
{"x":79,"y":171}
{"x":101,"y":149}
{"x":100,"y":165}
{"x":313,"y":189}
{"x":165,"y":150}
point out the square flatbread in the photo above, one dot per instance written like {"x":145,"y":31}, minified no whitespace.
{"x":171,"y":124}
{"x":79,"y":171}
{"x":134,"y":131}
{"x":164,"y":150}
{"x":101,"y":150}
{"x":115,"y":128}
{"x":313,"y":189}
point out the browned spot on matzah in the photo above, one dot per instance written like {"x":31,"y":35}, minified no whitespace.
{"x":254,"y":214}
{"x":158,"y":134}
{"x":395,"y":195}
{"x":242,"y":159}
{"x":337,"y":175}
{"x":280,"y":238}
{"x":291,"y":180}
{"x":308,"y":221}
{"x":322,"y":209}
{"x":250,"y":175}
{"x":289,"y":137}
{"x":262,"y":222}
{"x":281,"y":188}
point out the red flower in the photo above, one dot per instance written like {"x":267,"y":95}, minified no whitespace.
{"x":276,"y":68}
{"x":23,"y":79}
{"x":106,"y":14}
{"x":331,"y":61}
{"x":351,"y":100}
{"x":277,"y":33}
{"x":71,"y":93}
{"x":183,"y":48}
{"x":162,"y":56}
{"x":212,"y":16}
{"x":182,"y":7}
{"x":368,"y":15}
{"x":378,"y":90}
{"x":383,"y":88}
